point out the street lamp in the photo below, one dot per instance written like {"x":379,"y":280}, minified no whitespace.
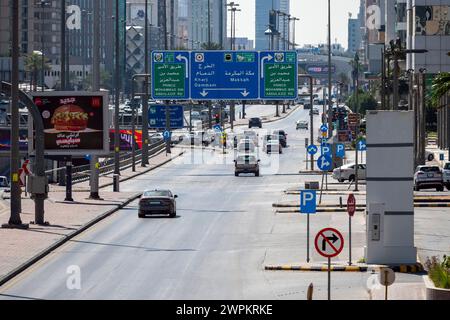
{"x":42,"y":4}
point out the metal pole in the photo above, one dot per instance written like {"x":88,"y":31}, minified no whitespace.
{"x":330,"y":103}
{"x":42,"y":45}
{"x":14,"y":219}
{"x":307,"y":238}
{"x":63,"y":78}
{"x":357,"y":133}
{"x":94,"y":178}
{"x":133,"y":128}
{"x":144,"y":159}
{"x":311,"y":117}
{"x":69,"y":180}
{"x":329,"y":278}
{"x":383,"y":79}
{"x":168,"y":128}
{"x":396,"y":82}
{"x":349,"y":239}
{"x":117,"y":97}
{"x":243,"y":109}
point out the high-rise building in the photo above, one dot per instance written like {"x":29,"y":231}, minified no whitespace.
{"x":263,"y":21}
{"x":204,"y":26}
{"x":354,"y":35}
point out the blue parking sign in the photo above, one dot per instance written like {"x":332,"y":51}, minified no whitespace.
{"x":326,"y":149}
{"x":167,"y":135}
{"x":308,"y":201}
{"x":340,"y":150}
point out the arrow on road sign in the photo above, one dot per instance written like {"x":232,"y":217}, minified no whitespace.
{"x":245,"y":93}
{"x":266,"y":58}
{"x":179,"y":58}
{"x":312,"y":149}
{"x":326,"y":240}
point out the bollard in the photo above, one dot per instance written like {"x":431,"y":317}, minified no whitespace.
{"x":310,"y":292}
{"x":116,"y":181}
{"x":69,"y":181}
{"x":340,"y":202}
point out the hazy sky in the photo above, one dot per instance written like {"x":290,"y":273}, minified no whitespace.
{"x":313,"y":15}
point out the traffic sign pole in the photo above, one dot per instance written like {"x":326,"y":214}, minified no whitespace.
{"x":349,"y":240}
{"x":307,"y":239}
{"x":329,"y":278}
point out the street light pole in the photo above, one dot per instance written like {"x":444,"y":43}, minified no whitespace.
{"x":144,"y":159}
{"x":63,"y":78}
{"x":14,"y":220}
{"x":330,"y":103}
{"x":117,"y":97}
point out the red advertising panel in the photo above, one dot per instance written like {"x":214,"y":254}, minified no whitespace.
{"x":75,"y":123}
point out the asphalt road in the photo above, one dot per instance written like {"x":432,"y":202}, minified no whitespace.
{"x":225,"y":232}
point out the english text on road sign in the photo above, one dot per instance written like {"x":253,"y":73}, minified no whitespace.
{"x":224,"y":75}
{"x":278,"y":75}
{"x":329,"y":242}
{"x":312,"y":149}
{"x":157,"y":116}
{"x":324,"y":163}
{"x":170,"y":75}
{"x":308,"y":201}
{"x":340,"y":150}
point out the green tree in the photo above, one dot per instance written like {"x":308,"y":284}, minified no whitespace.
{"x":33,"y":64}
{"x":211,"y":46}
{"x":366,"y":102}
{"x":441,"y":85}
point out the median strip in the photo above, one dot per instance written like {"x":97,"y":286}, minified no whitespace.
{"x":306,"y":267}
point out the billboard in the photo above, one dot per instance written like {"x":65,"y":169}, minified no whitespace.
{"x":126,"y":139}
{"x":5,"y":140}
{"x":75,"y":123}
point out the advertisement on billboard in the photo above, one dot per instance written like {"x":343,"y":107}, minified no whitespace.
{"x":5,"y":140}
{"x":126,"y":139}
{"x":75,"y":123}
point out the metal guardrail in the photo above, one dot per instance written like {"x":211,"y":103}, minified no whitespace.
{"x":82,"y":173}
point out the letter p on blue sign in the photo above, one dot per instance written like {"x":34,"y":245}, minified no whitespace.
{"x":308,"y":201}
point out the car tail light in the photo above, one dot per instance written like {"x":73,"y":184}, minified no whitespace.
{"x":420,"y":173}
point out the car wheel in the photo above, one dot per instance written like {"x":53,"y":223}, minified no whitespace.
{"x":341,"y":180}
{"x":351,"y":178}
{"x":141,"y":216}
{"x":257,"y":174}
{"x":416,"y":188}
{"x":236,"y":174}
{"x":173,"y":215}
{"x":440,"y":189}
{"x":447,"y":186}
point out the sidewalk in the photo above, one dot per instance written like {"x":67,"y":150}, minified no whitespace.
{"x":66,"y":219}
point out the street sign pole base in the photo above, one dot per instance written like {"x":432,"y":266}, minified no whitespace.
{"x":46,"y":223}
{"x":22,"y":226}
{"x":95,"y":196}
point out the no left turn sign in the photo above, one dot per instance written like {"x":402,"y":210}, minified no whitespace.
{"x":329,"y":242}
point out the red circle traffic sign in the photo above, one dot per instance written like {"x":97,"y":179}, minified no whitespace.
{"x":351,"y":205}
{"x":329,"y":242}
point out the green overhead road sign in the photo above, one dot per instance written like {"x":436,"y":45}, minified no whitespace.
{"x":279,"y":75}
{"x":170,"y":75}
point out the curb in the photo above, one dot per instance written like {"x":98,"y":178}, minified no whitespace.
{"x":15,"y":272}
{"x":329,"y":210}
{"x":409,"y":268}
{"x":65,"y":239}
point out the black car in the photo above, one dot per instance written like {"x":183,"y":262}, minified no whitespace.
{"x":282,"y":136}
{"x":255,"y":122}
{"x":157,"y":202}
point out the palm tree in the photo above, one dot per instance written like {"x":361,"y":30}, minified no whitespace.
{"x":440,"y":87}
{"x":34,"y":63}
{"x":211,"y":46}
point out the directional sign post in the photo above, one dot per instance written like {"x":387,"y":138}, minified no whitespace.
{"x":278,"y":75}
{"x":329,"y":243}
{"x":312,"y":149}
{"x":157,"y":116}
{"x":340,"y":150}
{"x":324,"y":163}
{"x":224,"y":75}
{"x":308,"y":206}
{"x":351,"y":209}
{"x":387,"y":278}
{"x":167,"y":135}
{"x":170,"y":75}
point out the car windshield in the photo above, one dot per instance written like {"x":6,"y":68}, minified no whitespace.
{"x":246,"y":159}
{"x":430,"y":169}
{"x":157,"y":193}
{"x":3,"y":183}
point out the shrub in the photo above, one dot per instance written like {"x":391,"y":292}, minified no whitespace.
{"x":439,"y":272}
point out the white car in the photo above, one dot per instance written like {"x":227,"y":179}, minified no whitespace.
{"x":249,"y":134}
{"x":347,"y":172}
